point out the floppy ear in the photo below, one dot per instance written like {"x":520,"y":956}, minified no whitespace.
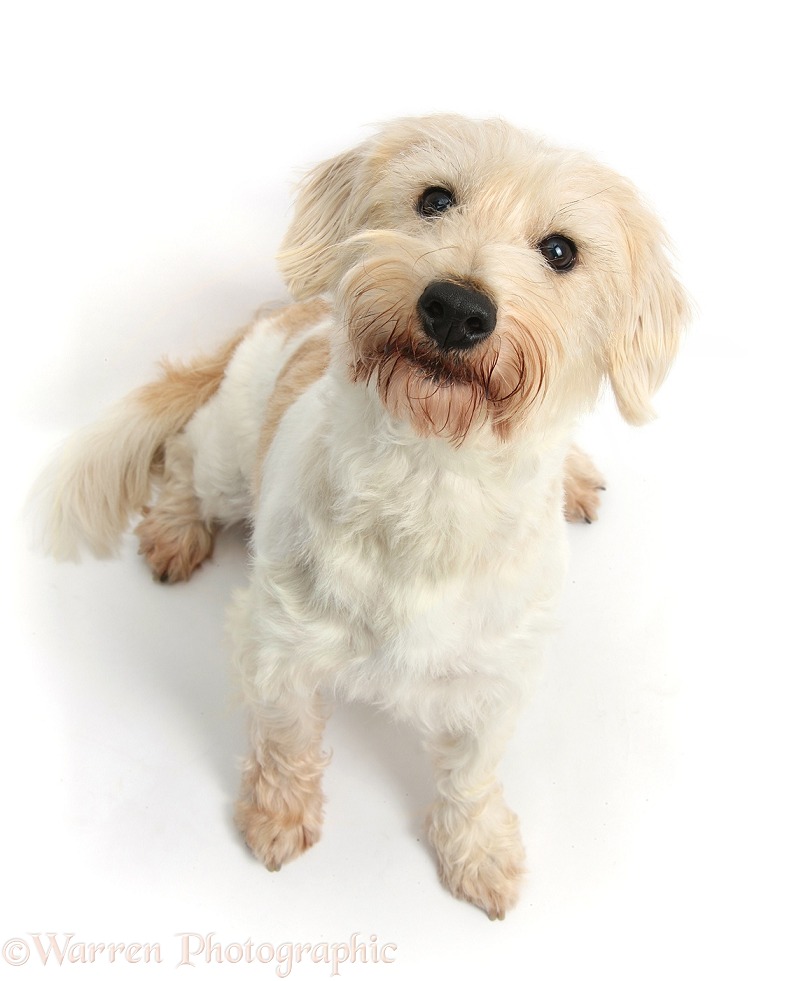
{"x":652,"y":315}
{"x":326,"y":213}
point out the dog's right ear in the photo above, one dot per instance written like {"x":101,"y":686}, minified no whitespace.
{"x":327,"y":212}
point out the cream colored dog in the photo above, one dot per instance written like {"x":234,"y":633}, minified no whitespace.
{"x":400,"y":442}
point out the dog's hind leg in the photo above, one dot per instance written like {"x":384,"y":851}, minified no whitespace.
{"x":280,"y":811}
{"x":173,"y":536}
{"x":581,"y":485}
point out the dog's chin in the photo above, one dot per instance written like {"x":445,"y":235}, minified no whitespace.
{"x":428,"y":393}
{"x":449,"y":394}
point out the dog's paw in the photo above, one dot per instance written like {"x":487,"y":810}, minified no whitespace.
{"x":173,"y":549}
{"x":279,"y":815}
{"x":481,"y":859}
{"x":276,"y":838}
{"x":489,"y":881}
{"x":582,"y":482}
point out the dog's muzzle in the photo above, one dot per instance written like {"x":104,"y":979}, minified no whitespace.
{"x":456,"y":316}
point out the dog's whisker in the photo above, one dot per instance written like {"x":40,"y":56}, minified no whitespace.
{"x":571,"y":204}
{"x":430,"y":252}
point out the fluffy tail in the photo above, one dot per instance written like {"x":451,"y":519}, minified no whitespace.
{"x":103,"y":474}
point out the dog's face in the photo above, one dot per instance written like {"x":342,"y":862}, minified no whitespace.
{"x":485,"y":277}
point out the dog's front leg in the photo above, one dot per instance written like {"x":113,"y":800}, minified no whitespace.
{"x":475,"y":835}
{"x":280,"y":811}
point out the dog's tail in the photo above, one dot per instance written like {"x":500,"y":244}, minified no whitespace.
{"x":86,"y":496}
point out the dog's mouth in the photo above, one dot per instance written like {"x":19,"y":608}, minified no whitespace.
{"x":432,"y":364}
{"x":426,"y":370}
{"x":414,"y":356}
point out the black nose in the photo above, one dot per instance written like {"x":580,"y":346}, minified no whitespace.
{"x":456,"y":316}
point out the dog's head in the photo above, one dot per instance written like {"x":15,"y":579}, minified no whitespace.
{"x":484,"y":275}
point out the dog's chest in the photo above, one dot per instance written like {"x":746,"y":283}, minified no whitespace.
{"x":396,"y":539}
{"x":404,"y":564}
{"x":443,"y":584}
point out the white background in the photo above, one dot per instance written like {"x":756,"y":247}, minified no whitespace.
{"x":149,"y":151}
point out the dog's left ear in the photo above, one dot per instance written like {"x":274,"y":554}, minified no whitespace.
{"x":652,"y":313}
{"x":327,"y":211}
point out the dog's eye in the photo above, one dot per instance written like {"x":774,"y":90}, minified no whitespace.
{"x":434,"y":201}
{"x":560,"y":253}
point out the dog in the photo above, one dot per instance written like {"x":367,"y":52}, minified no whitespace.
{"x":399,"y":442}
